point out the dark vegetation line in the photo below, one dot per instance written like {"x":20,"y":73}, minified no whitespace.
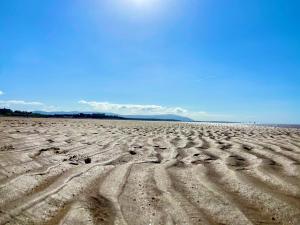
{"x":17,"y":113}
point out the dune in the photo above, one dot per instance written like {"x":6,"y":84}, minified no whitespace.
{"x":69,"y":171}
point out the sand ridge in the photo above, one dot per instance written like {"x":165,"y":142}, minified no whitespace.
{"x":67,"y":171}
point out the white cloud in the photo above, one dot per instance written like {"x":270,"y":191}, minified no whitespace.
{"x":9,"y":103}
{"x":130,"y":109}
{"x":26,"y":105}
{"x":133,"y":109}
{"x":1,"y":93}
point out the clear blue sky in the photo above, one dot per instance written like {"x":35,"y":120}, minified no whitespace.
{"x":227,"y":59}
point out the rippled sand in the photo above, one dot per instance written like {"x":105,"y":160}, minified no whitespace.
{"x":55,"y":171}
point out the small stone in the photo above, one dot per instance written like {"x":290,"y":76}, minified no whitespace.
{"x":88,"y":160}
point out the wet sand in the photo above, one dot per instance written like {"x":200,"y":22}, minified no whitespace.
{"x":56,"y":171}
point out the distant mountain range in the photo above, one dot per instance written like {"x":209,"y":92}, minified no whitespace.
{"x":137,"y":117}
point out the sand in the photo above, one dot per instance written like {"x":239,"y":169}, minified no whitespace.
{"x":56,"y":171}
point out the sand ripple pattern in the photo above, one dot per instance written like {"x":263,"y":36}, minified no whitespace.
{"x":56,"y":171}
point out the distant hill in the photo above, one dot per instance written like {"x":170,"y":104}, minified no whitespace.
{"x":167,"y":117}
{"x":160,"y":117}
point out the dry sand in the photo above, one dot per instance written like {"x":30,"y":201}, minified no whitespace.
{"x":55,"y":171}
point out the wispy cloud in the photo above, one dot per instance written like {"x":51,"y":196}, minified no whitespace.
{"x":9,"y":103}
{"x":26,"y":105}
{"x":146,"y":109}
{"x":131,"y":108}
{"x":1,"y":92}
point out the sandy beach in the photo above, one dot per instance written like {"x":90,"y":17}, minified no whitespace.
{"x":67,"y":171}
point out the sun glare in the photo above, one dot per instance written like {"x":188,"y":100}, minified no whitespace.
{"x":143,"y":3}
{"x":140,"y":11}
{"x":140,"y":2}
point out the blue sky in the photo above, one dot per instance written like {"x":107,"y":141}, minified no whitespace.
{"x":226,"y":60}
